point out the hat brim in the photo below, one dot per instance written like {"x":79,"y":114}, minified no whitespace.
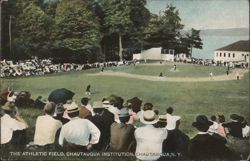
{"x":149,"y":122}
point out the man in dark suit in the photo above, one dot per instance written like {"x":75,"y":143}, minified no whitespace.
{"x":234,"y":127}
{"x":122,"y":134}
{"x":103,"y":120}
{"x":204,"y":146}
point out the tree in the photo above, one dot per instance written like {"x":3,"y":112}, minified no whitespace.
{"x":76,"y":30}
{"x":164,"y":29}
{"x":123,"y":17}
{"x":32,"y":30}
{"x":193,"y":40}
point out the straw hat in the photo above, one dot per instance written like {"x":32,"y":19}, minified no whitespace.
{"x":149,"y":117}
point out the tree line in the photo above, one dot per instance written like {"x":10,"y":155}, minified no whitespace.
{"x":90,"y":30}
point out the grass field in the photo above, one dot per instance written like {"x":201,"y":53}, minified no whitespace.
{"x":187,"y":99}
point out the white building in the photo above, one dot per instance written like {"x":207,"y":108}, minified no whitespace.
{"x":235,"y":52}
{"x":158,"y":54}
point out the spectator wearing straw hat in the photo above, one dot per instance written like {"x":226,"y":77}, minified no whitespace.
{"x":205,"y":146}
{"x":103,"y":119}
{"x":78,"y":134}
{"x":122,"y":134}
{"x":46,"y":127}
{"x":148,"y":138}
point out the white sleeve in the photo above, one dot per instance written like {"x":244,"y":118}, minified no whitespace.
{"x":61,"y":137}
{"x":17,"y":125}
{"x":95,"y":133}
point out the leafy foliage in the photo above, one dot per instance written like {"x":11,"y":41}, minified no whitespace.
{"x":32,"y":30}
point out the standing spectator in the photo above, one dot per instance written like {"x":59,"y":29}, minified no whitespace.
{"x":204,"y":146}
{"x":148,"y":138}
{"x":122,"y":134}
{"x":88,"y":93}
{"x":78,"y":134}
{"x":46,"y":127}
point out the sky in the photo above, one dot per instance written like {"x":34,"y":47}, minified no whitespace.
{"x":207,"y":14}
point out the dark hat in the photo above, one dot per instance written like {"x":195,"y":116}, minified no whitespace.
{"x":85,"y":100}
{"x":59,"y":108}
{"x":124,"y":112}
{"x":202,"y":121}
{"x":235,"y":117}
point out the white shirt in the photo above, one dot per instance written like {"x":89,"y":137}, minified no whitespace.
{"x":171,"y":121}
{"x":213,"y":128}
{"x":78,"y":131}
{"x":8,"y":125}
{"x":90,"y":108}
{"x":149,"y":142}
{"x":246,"y":131}
{"x":116,"y":113}
{"x":46,"y":128}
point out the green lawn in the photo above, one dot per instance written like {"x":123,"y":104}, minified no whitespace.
{"x":187,"y":99}
{"x":182,"y":70}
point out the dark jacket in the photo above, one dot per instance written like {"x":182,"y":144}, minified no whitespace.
{"x":205,"y":146}
{"x":103,"y":120}
{"x":235,"y":129}
{"x":122,"y":138}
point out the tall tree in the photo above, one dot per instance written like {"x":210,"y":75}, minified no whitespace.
{"x":77,"y":29}
{"x":32,"y":28}
{"x":123,"y":17}
{"x":193,"y":40}
{"x":164,"y":29}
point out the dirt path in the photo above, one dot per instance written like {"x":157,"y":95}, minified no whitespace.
{"x":231,"y":76}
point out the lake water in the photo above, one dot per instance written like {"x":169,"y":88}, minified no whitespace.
{"x":211,"y":43}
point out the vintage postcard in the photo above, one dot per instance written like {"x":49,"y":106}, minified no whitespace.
{"x":127,"y":80}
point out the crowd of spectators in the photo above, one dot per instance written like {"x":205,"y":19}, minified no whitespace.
{"x":115,"y":125}
{"x":35,"y":67}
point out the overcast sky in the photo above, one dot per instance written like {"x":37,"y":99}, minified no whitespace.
{"x":207,"y":14}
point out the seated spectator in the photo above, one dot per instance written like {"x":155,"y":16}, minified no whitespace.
{"x":234,"y":126}
{"x":85,"y":112}
{"x":122,"y":134}
{"x":135,"y":104}
{"x":204,"y":146}
{"x":214,"y":127}
{"x":39,"y":102}
{"x":111,"y":108}
{"x":87,"y":105}
{"x":213,"y":130}
{"x":221,"y":129}
{"x":245,"y":128}
{"x":147,"y":106}
{"x":46,"y":127}
{"x":148,"y":138}
{"x":78,"y":134}
{"x":103,"y":119}
{"x":177,"y":141}
{"x":59,"y":111}
{"x":13,"y":129}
